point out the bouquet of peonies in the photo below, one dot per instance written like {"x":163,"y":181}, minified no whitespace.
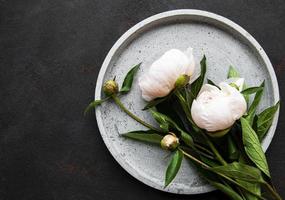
{"x":213,"y":125}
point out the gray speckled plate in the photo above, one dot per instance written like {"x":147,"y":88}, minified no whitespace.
{"x":221,"y":40}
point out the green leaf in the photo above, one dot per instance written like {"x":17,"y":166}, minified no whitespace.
{"x":166,"y":123}
{"x":248,"y":91}
{"x":227,"y":190}
{"x":233,"y":73}
{"x":209,"y":162}
{"x":214,"y":180}
{"x":185,"y":100}
{"x":233,"y":152}
{"x":144,"y":136}
{"x":212,"y":83}
{"x":252,"y":109}
{"x":246,"y":97}
{"x":185,"y":104}
{"x":240,"y":171}
{"x":93,"y":105}
{"x":251,"y":90}
{"x":159,"y":100}
{"x":173,"y":167}
{"x":264,"y":120}
{"x":161,"y":119}
{"x":253,"y":187}
{"x":155,"y":102}
{"x":187,"y":139}
{"x":188,"y":98}
{"x":197,"y":84}
{"x":128,"y":81}
{"x":253,"y":147}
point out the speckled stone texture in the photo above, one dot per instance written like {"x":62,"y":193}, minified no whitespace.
{"x":50,"y":54}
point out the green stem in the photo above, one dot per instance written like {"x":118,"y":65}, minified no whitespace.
{"x":186,"y":109}
{"x":198,"y":146}
{"x":222,"y":175}
{"x":199,"y":151}
{"x":188,"y":115}
{"x":213,"y":148}
{"x":272,"y":191}
{"x":195,"y":159}
{"x":119,"y":103}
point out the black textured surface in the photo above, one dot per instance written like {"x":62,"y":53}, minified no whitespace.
{"x":50,"y":55}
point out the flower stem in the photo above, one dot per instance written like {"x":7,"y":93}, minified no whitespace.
{"x":220,"y":174}
{"x":210,"y":156}
{"x":272,"y":191}
{"x":213,"y":148}
{"x":194,"y":159}
{"x":186,"y":109}
{"x":119,"y":103}
{"x":198,"y":146}
{"x":188,"y":115}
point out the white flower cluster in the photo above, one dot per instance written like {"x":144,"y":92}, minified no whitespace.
{"x":214,"y":109}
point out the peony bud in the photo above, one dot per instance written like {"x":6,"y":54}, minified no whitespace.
{"x":169,"y":142}
{"x":217,"y":109}
{"x":110,"y":87}
{"x":162,"y":75}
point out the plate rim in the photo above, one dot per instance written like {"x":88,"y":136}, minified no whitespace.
{"x":180,"y":12}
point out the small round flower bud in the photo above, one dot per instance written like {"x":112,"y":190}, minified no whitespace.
{"x":169,"y":142}
{"x":110,"y":87}
{"x":182,"y":80}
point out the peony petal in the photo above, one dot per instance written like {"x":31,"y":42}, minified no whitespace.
{"x":208,"y":87}
{"x":212,"y":117}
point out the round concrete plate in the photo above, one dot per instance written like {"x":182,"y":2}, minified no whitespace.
{"x":222,"y":41}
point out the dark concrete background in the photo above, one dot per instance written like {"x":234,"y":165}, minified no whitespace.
{"x":50,"y":55}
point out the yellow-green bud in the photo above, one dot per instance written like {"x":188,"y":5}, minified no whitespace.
{"x":110,"y":87}
{"x":234,"y":86}
{"x":169,"y":142}
{"x":182,"y":80}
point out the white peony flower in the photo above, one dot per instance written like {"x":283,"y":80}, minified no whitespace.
{"x":217,"y":109}
{"x":163,"y":73}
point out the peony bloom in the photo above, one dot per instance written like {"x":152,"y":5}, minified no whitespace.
{"x":217,"y":109}
{"x":163,"y":73}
